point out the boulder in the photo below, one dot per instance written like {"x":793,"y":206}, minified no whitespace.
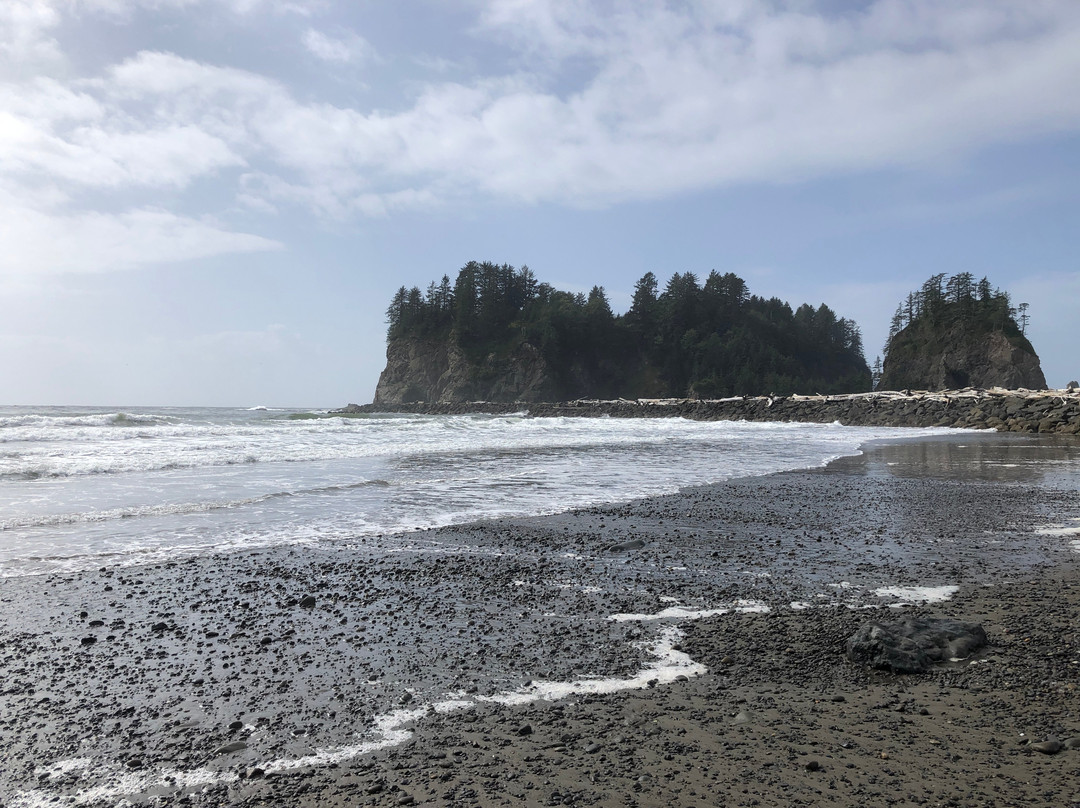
{"x":913,"y":644}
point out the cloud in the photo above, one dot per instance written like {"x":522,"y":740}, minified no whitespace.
{"x":43,"y":243}
{"x":684,"y":98}
{"x":601,"y":103}
{"x":26,"y":43}
{"x":342,"y":50}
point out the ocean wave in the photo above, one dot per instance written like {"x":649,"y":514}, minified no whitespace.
{"x":87,"y":517}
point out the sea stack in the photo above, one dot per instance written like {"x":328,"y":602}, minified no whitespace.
{"x":955,"y":333}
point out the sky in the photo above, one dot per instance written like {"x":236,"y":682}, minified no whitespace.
{"x":211,"y":202}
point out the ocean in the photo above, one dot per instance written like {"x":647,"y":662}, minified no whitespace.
{"x":82,"y":488}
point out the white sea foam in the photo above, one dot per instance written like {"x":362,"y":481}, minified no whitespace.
{"x":105,"y":781}
{"x":917,"y":594}
{"x":1064,"y":531}
{"x":683,"y":613}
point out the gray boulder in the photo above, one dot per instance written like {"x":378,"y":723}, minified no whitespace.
{"x":913,"y":644}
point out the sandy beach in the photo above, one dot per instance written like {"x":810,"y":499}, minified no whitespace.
{"x":263,"y":678}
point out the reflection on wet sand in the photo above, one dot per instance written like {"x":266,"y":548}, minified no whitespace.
{"x":971,"y":456}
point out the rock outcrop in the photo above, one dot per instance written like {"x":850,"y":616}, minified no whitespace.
{"x":913,"y":644}
{"x":438,"y":372}
{"x":921,"y":357}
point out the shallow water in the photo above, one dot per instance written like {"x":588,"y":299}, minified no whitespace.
{"x":83,"y":488}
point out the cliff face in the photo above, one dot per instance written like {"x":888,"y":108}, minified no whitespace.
{"x":437,"y":371}
{"x":925,"y":358}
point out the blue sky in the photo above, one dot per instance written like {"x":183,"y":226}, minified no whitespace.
{"x":212,"y":201}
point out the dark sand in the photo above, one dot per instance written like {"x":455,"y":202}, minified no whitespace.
{"x":781,"y":718}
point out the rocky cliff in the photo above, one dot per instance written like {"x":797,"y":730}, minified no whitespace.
{"x":438,"y":371}
{"x":924,"y":357}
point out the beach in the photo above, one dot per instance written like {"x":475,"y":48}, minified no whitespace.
{"x":685,"y":649}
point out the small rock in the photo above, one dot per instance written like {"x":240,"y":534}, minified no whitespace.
{"x":235,"y":725}
{"x":812,"y":766}
{"x":88,"y":640}
{"x":159,"y":627}
{"x":1072,"y":743}
{"x":308,"y":602}
{"x":254,"y":773}
{"x":1048,"y":747}
{"x":525,"y":729}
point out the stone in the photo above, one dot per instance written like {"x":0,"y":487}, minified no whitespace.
{"x":913,"y":644}
{"x":308,"y":602}
{"x":633,"y":544}
{"x":1048,"y":747}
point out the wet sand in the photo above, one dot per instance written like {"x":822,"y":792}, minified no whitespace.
{"x":212,"y":682}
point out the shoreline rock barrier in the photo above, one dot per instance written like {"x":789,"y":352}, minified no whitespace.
{"x":1039,"y":411}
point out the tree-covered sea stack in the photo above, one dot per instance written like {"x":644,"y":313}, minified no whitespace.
{"x":957,"y":332}
{"x":497,"y":334}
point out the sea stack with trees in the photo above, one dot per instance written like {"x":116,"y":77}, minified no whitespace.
{"x":498,"y":334}
{"x":956,"y":332}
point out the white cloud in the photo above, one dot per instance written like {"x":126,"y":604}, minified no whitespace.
{"x":26,"y":43}
{"x":604,"y":103}
{"x":343,"y":50}
{"x":37,"y":243}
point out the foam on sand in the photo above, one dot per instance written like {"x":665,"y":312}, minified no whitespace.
{"x":682,"y":613}
{"x":1071,"y":531}
{"x":106,"y":781}
{"x":905,"y":595}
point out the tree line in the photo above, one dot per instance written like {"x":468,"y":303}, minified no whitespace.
{"x":701,"y":339}
{"x":944,"y":299}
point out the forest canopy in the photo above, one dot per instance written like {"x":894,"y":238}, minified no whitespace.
{"x":689,"y":339}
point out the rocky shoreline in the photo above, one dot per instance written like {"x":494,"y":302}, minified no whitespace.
{"x":258,"y":678}
{"x":1025,"y":411}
